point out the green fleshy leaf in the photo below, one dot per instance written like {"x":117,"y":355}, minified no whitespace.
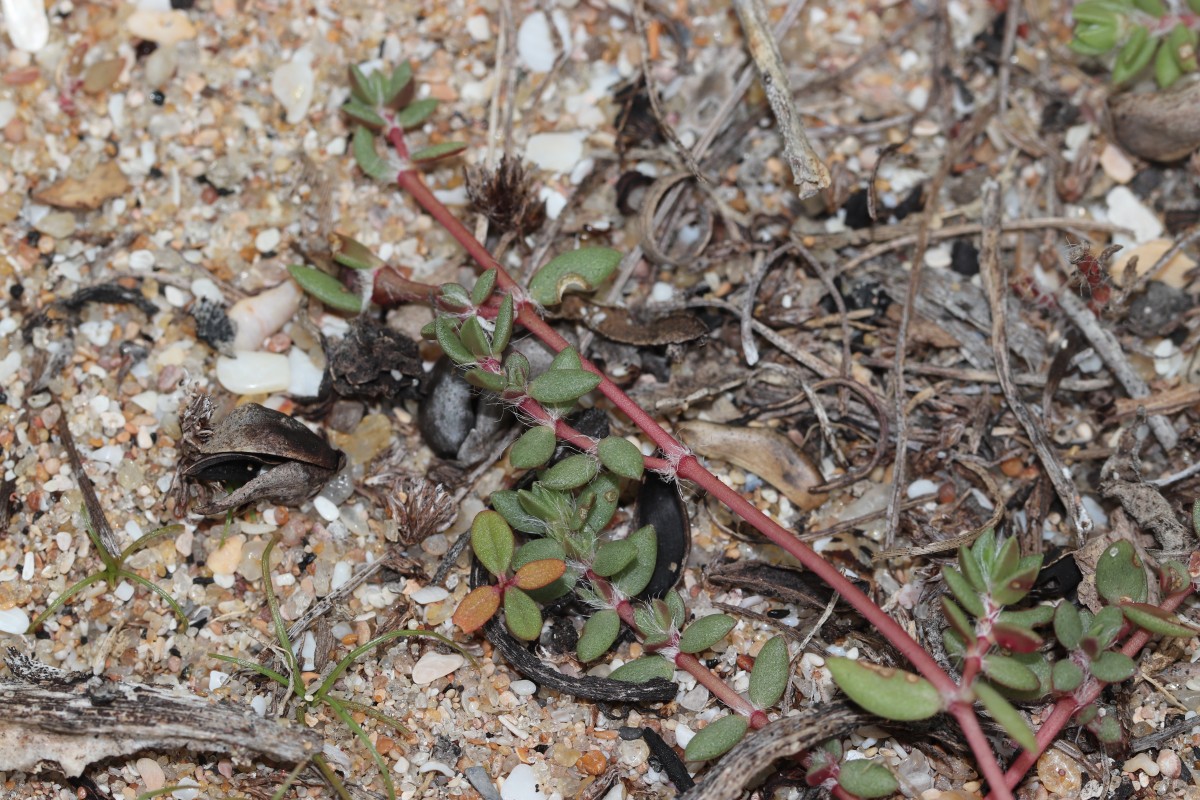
{"x":705,"y":632}
{"x":451,"y":345}
{"x":600,"y":499}
{"x":570,"y":473}
{"x":437,"y":152}
{"x":367,"y":158}
{"x":504,"y":326}
{"x":516,"y":372}
{"x":635,"y":577}
{"x":429,"y":331}
{"x":363,"y":88}
{"x":567,"y":358}
{"x":353,"y":253}
{"x":477,"y":608}
{"x":612,"y":557}
{"x":1155,"y":620}
{"x":1012,"y":587}
{"x":678,"y":612}
{"x":540,"y":550}
{"x":538,"y":574}
{"x":399,"y":85}
{"x":955,"y":647}
{"x":599,"y":633}
{"x":475,"y":338}
{"x":545,"y":503}
{"x":326,"y":288}
{"x":1016,"y":638}
{"x":963,"y":591}
{"x":1166,"y":65}
{"x":1009,"y":673}
{"x":958,"y":620}
{"x":770,"y":673}
{"x":867,"y":779}
{"x":581,"y":270}
{"x":968,"y":562}
{"x":1104,"y":629}
{"x":562,"y":386}
{"x":1107,"y":730}
{"x":416,"y":112}
{"x":455,"y":296}
{"x":522,"y":615}
{"x":1120,"y":574}
{"x":1028,"y":617}
{"x":891,"y":693}
{"x":507,"y":503}
{"x":492,"y":542}
{"x":1008,"y":717}
{"x":1040,"y":667}
{"x":1068,"y":625}
{"x":645,"y":669}
{"x":482,"y":379}
{"x":534,"y":448}
{"x":1066,"y":676}
{"x":1112,"y":667}
{"x":621,"y":456}
{"x":1154,"y":8}
{"x":717,"y":739}
{"x":1136,"y":54}
{"x":364,"y":114}
{"x":1004,"y":563}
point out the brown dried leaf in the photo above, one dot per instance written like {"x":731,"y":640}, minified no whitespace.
{"x":103,"y":183}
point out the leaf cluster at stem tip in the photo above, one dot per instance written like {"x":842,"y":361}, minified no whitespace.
{"x":1146,"y":35}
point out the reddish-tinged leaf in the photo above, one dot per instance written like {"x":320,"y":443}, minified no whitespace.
{"x":477,"y":608}
{"x":1155,"y":620}
{"x":537,"y":574}
{"x":1015,"y":638}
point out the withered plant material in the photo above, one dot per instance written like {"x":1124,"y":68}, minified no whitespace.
{"x":103,"y":183}
{"x":375,"y":362}
{"x":807,"y":168}
{"x":763,"y":451}
{"x":276,"y":457}
{"x":642,"y":326}
{"x":96,"y":516}
{"x":113,"y":292}
{"x":419,"y":507}
{"x":1163,"y":125}
{"x":1121,"y":480}
{"x":73,"y":719}
{"x":784,"y":583}
{"x":507,"y":196}
{"x":213,"y":325}
{"x":788,"y":736}
{"x":995,"y":280}
{"x":659,"y":503}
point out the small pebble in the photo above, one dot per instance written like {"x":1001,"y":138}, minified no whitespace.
{"x":325,"y":507}
{"x":254,"y":373}
{"x":683,"y":735}
{"x":1116,"y":164}
{"x":27,"y":24}
{"x":217,"y":679}
{"x":555,"y":152}
{"x":429,"y":594}
{"x":225,"y":559}
{"x":160,"y":66}
{"x":257,"y":317}
{"x":479,"y":28}
{"x":161,"y":27}
{"x":921,"y":487}
{"x":306,"y":376}
{"x":437,"y":766}
{"x":1169,"y":763}
{"x":435,"y":665}
{"x":267,"y":240}
{"x":124,"y":591}
{"x":186,"y":793}
{"x":592,"y":762}
{"x":1142,"y":762}
{"x":536,"y":48}
{"x":521,"y":784}
{"x":152,"y":774}
{"x":292,"y":85}
{"x":14,"y":621}
{"x":1125,"y":208}
{"x":523,"y":688}
{"x":634,"y":753}
{"x":1059,"y":773}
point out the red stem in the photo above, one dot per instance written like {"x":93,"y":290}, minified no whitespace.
{"x":687,"y":467}
{"x":719,"y":689}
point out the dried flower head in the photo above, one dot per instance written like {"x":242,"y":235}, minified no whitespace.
{"x":506,"y":196}
{"x":419,"y":507}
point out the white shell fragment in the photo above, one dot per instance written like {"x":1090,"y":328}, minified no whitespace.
{"x":254,"y":373}
{"x":521,"y":784}
{"x":536,"y":48}
{"x":161,"y":27}
{"x":14,"y":621}
{"x":435,"y":665}
{"x":27,"y":24}
{"x":261,"y":315}
{"x":292,"y":85}
{"x":555,"y":152}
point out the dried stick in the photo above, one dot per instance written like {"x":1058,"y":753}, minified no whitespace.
{"x":995,"y":279}
{"x":807,"y":167}
{"x":95,"y":511}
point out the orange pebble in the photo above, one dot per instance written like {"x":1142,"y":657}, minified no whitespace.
{"x":592,"y":762}
{"x":1011,"y":467}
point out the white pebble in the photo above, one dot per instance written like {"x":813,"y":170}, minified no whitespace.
{"x":536,"y":48}
{"x":14,"y":621}
{"x":8,"y":110}
{"x":436,"y":766}
{"x":27,"y":24}
{"x":662,"y":292}
{"x":263,"y":314}
{"x":98,"y":332}
{"x":1116,"y":164}
{"x":124,"y":591}
{"x":186,"y":794}
{"x":479,"y":28}
{"x":161,"y":27}
{"x":254,"y":373}
{"x":921,"y":487}
{"x":1141,"y":762}
{"x":429,"y":594}
{"x":141,"y":260}
{"x":152,"y":774}
{"x":523,"y":688}
{"x":267,"y":240}
{"x":326,"y":508}
{"x":204,"y":287}
{"x":341,"y":574}
{"x":938,"y":257}
{"x":555,"y":152}
{"x":259,"y":705}
{"x":217,"y":679}
{"x":521,"y":784}
{"x":435,"y":665}
{"x":683,"y":735}
{"x":292,"y":85}
{"x":306,"y":376}
{"x":1127,"y":210}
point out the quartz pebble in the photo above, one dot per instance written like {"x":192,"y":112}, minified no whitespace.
{"x":306,"y":376}
{"x":429,"y":594}
{"x":521,"y":784}
{"x":267,"y":240}
{"x":152,"y":774}
{"x":1059,"y":773}
{"x":225,"y":559}
{"x":536,"y":48}
{"x":14,"y":621}
{"x":161,"y":27}
{"x":292,"y":85}
{"x":1125,"y":208}
{"x":27,"y":24}
{"x":683,"y":735}
{"x":523,"y":688}
{"x":1142,"y":762}
{"x":435,"y":665}
{"x":1169,"y":763}
{"x":254,"y":373}
{"x":325,"y":507}
{"x":1116,"y":164}
{"x":258,"y":316}
{"x":555,"y":152}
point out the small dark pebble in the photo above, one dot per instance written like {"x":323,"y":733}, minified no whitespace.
{"x":482,"y":782}
{"x":629,"y":734}
{"x":447,"y":414}
{"x":913,"y":203}
{"x":964,"y":258}
{"x":1158,"y":310}
{"x":157,"y":97}
{"x":778,"y":613}
{"x":144,"y":48}
{"x":857,"y":212}
{"x":16,"y":291}
{"x":183,"y":5}
{"x":32,"y":238}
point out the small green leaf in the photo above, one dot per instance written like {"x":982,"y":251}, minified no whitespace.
{"x":475,"y":338}
{"x":645,"y":669}
{"x":614,"y":556}
{"x":1155,"y":620}
{"x":504,"y":326}
{"x":562,"y":386}
{"x":705,"y":632}
{"x":508,"y":504}
{"x":362,"y":87}
{"x":599,"y":633}
{"x":1104,"y":628}
{"x":1009,"y":672}
{"x":891,"y":693}
{"x":534,"y":448}
{"x":522,"y":615}
{"x":1120,"y":574}
{"x":451,"y":345}
{"x":1015,"y":638}
{"x":1107,"y":729}
{"x":600,"y":499}
{"x":482,"y":379}
{"x":492,"y":541}
{"x":1006,"y":560}
{"x":367,"y":158}
{"x":635,"y":577}
{"x":537,"y":550}
{"x":1166,"y":65}
{"x":567,"y":358}
{"x":570,"y":473}
{"x":581,"y":270}
{"x":958,"y":620}
{"x":326,"y":288}
{"x":675,"y":604}
{"x":1012,"y":587}
{"x":539,"y":574}
{"x":415,"y":113}
{"x":621,"y":456}
{"x":968,"y":561}
{"x":363,"y":113}
{"x":650,"y":626}
{"x":516,"y":372}
{"x":1008,"y":717}
{"x":1066,"y":676}
{"x":454,"y":295}
{"x":963,"y":591}
{"x":769,"y":675}
{"x":717,"y":739}
{"x":1112,"y":667}
{"x":399,"y":86}
{"x":1135,"y":55}
{"x":955,"y":647}
{"x":477,"y":608}
{"x":437,"y":152}
{"x":1028,"y":617}
{"x":353,"y":253}
{"x":1068,"y":626}
{"x":867,"y":779}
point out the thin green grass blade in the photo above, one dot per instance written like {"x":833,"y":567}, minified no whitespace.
{"x":345,"y":663}
{"x":158,"y":590}
{"x":266,"y":672}
{"x":361,"y":735}
{"x":65,"y":596}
